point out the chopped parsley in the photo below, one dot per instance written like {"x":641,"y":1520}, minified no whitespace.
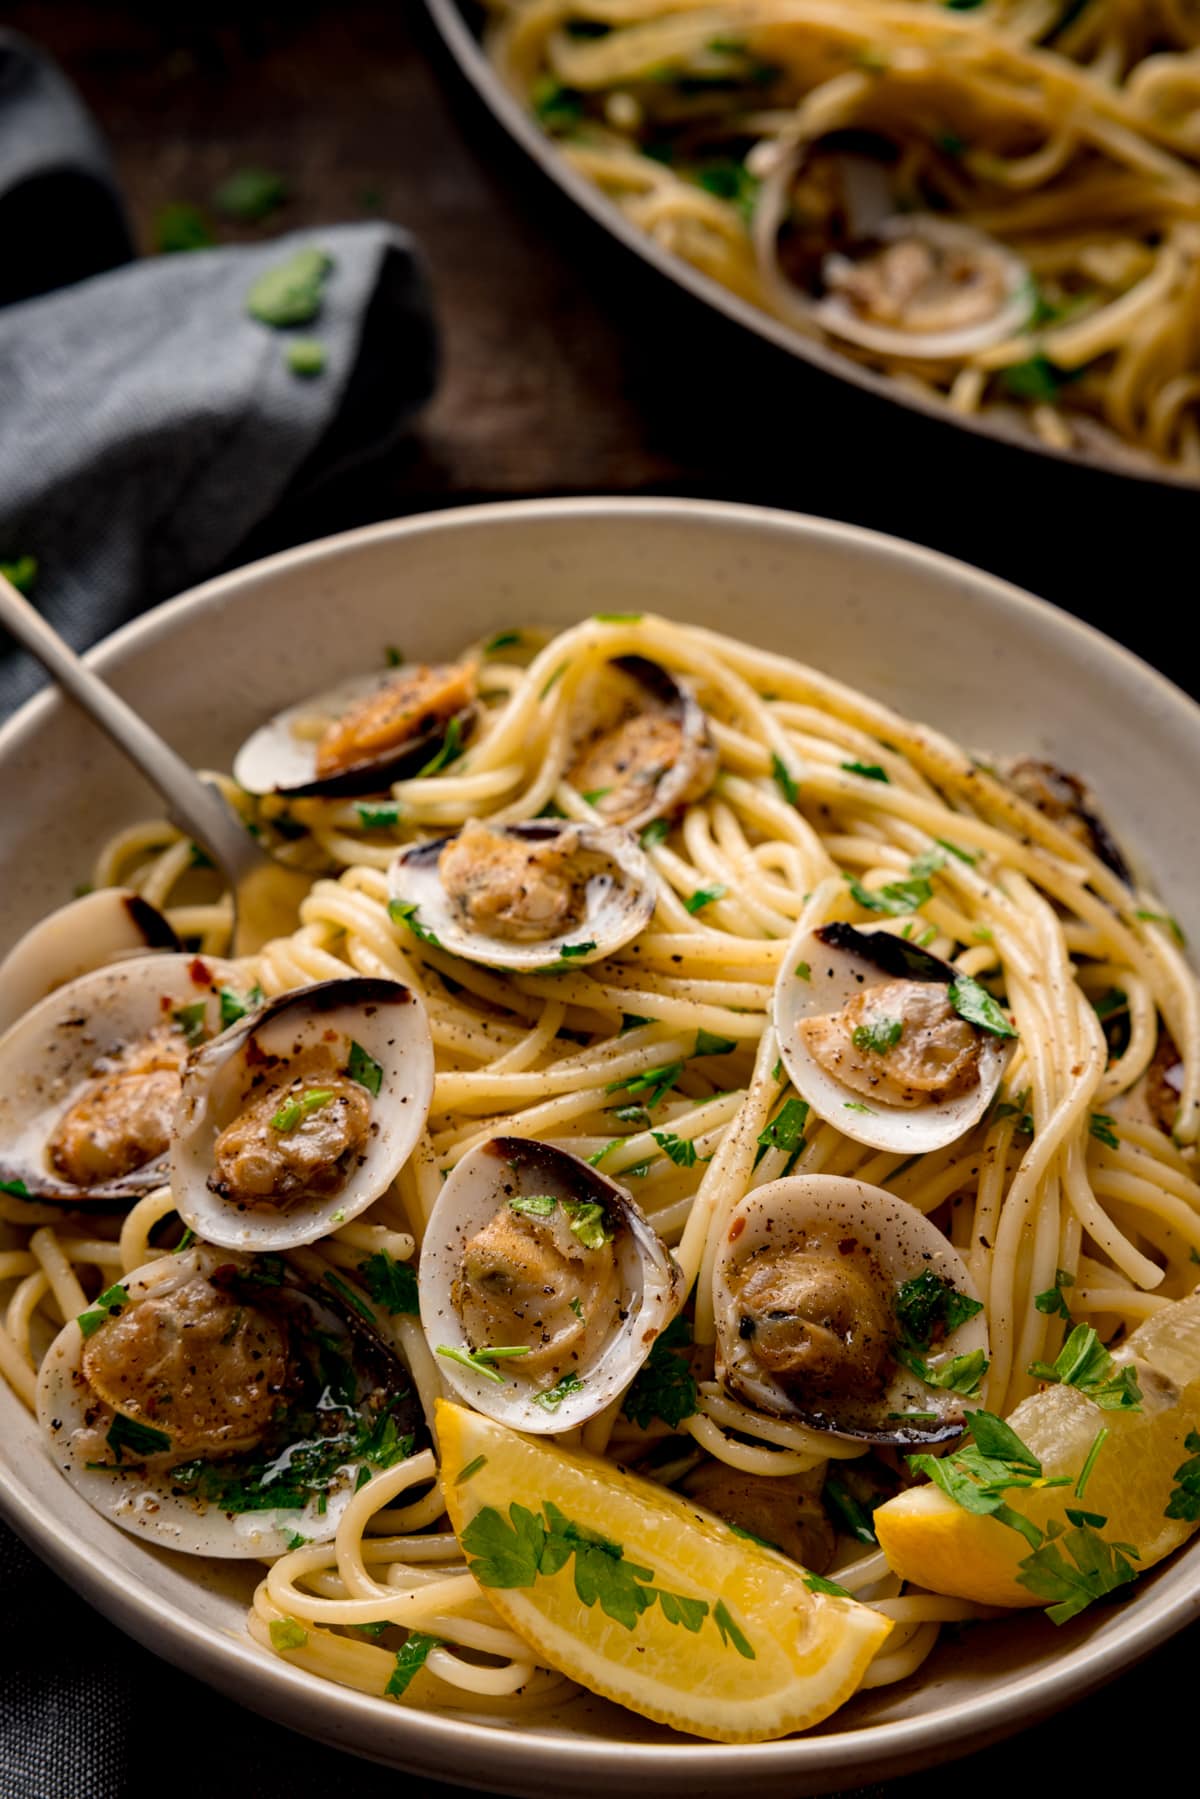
{"x":853,"y":1517}
{"x":346,"y":1292}
{"x":377,"y":818}
{"x":391,"y":1284}
{"x":21,"y":571}
{"x":1112,"y":1001}
{"x":1018,"y":1108}
{"x":704,"y":896}
{"x":1102,"y":1125}
{"x":681,"y":1150}
{"x":976,"y":1005}
{"x":785,"y":1131}
{"x":192,"y":1021}
{"x":296,"y":1541}
{"x":785,"y":780}
{"x":1172,"y":924}
{"x":180,"y":226}
{"x":1051,"y":1302}
{"x":971,"y":857}
{"x":1037,"y":379}
{"x":139,"y":1439}
{"x":1084,"y":1363}
{"x":1185,"y":1495}
{"x":294,"y":1111}
{"x":657,"y":831}
{"x":287,"y":1634}
{"x":405,"y":912}
{"x":410,"y":1659}
{"x":664,"y":1386}
{"x":553,"y":1397}
{"x":803,"y":971}
{"x":879,"y":1036}
{"x":236,"y":1005}
{"x":929,"y":1306}
{"x":534,"y":1205}
{"x":290,"y":293}
{"x":727,"y":179}
{"x":449,"y":750}
{"x":652,"y":1083}
{"x":1089,"y":1462}
{"x":595,"y":795}
{"x":513,"y":1552}
{"x":575,"y":949}
{"x":479,"y":1360}
{"x":869,"y":771}
{"x":106,"y":1305}
{"x":306,"y":356}
{"x":250,"y":194}
{"x":472,"y":1468}
{"x":895,"y":897}
{"x":817,"y":1583}
{"x":617,"y":618}
{"x":364,"y":1069}
{"x":708,"y":1044}
{"x":961,"y":1374}
{"x":586,"y":1218}
{"x":503,"y":640}
{"x":393,"y":655}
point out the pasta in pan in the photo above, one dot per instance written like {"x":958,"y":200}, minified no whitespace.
{"x":710,"y":955}
{"x":996,"y":204}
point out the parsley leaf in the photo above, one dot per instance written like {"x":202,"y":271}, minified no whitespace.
{"x":1172,"y":924}
{"x":1051,"y":1302}
{"x":534,"y":1205}
{"x":1073,"y":1567}
{"x":576,"y":949}
{"x":448,"y":751}
{"x":1185,"y":1495}
{"x":290,"y":293}
{"x":235,"y":1005}
{"x":287,"y":1634}
{"x":391,"y":1284}
{"x":976,"y":1005}
{"x":109,"y":1304}
{"x":879,"y":1036}
{"x":192,"y":1021}
{"x":785,"y":780}
{"x":929,"y":1305}
{"x":553,"y":1397}
{"x":250,"y":194}
{"x":869,"y":771}
{"x":138,"y":1439}
{"x":306,"y":356}
{"x":479,"y":1360}
{"x":657,"y":831}
{"x":895,"y":898}
{"x":1102,"y":1125}
{"x":653,"y":1083}
{"x":294,"y":1111}
{"x":730,"y":1632}
{"x":849,"y":1513}
{"x":708,"y":1044}
{"x":681,"y":1150}
{"x":410,"y":1659}
{"x":364,"y":1069}
{"x":817,"y":1583}
{"x":405,"y":912}
{"x":503,"y":640}
{"x":704,"y":896}
{"x":664,"y":1387}
{"x":961,"y":1374}
{"x":1084,"y":1363}
{"x":378,"y":818}
{"x":785,"y":1131}
{"x":472,"y":1467}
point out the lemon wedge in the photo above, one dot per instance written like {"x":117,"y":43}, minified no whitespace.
{"x":640,"y":1596}
{"x":933,"y":1542}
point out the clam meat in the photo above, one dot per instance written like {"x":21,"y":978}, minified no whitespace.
{"x":645,"y":749}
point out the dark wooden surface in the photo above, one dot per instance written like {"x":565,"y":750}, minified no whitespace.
{"x":570,"y":369}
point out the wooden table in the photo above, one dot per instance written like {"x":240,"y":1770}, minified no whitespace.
{"x":571,"y":369}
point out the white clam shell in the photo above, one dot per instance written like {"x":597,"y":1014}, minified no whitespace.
{"x":281,"y":756}
{"x":902,"y":1242}
{"x":48,"y":1057}
{"x":388,"y":1021}
{"x":836,"y":975}
{"x":88,"y":933}
{"x":145,"y":1501}
{"x":836,"y":315}
{"x":618,"y":902}
{"x":487,"y":1179}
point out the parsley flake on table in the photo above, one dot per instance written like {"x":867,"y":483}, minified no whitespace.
{"x":249,"y":195}
{"x":290,"y":292}
{"x":306,"y":356}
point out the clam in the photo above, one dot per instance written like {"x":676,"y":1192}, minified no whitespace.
{"x":1069,"y":802}
{"x":297,"y":1118}
{"x":542,"y":1286}
{"x":844,"y":1307}
{"x":90,"y":1077}
{"x":924,"y":286}
{"x":526,"y":896}
{"x":882,"y":1039}
{"x":90,"y":932}
{"x":362,"y":735}
{"x":220,"y":1405}
{"x":645,"y":749}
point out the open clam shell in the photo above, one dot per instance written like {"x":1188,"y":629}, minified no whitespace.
{"x":300,"y":1116}
{"x":588,"y":1327}
{"x":60,"y":1115}
{"x":597,"y":879}
{"x":823,"y":972}
{"x":89,"y":932}
{"x":796,"y":1337}
{"x":645,"y":748}
{"x":203,"y":1440}
{"x":282,"y":755}
{"x":976,"y":292}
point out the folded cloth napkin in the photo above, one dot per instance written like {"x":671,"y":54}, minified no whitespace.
{"x":147,"y":420}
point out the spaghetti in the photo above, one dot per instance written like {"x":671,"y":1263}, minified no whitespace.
{"x":807,"y":151}
{"x":661,"y":1064}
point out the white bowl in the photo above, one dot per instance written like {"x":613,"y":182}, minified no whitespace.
{"x":997,"y":669}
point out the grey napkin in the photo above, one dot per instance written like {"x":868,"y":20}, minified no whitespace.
{"x":147,"y":421}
